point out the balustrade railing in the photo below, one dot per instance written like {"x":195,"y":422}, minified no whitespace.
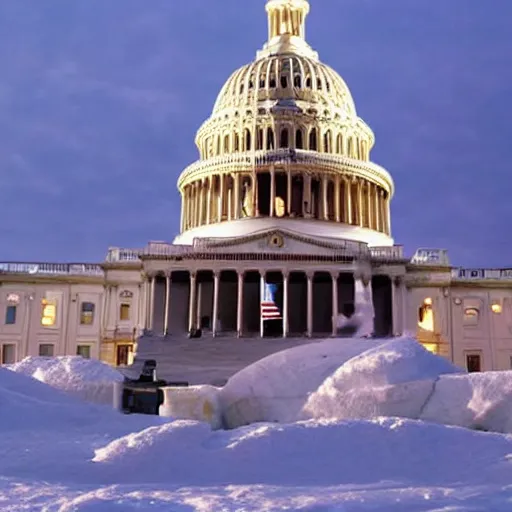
{"x":431,"y":257}
{"x":52,"y":269}
{"x":282,"y":157}
{"x":472,"y":274}
{"x":118,"y":254}
{"x":395,"y":252}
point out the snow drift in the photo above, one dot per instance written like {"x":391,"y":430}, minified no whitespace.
{"x":396,"y":378}
{"x":88,"y":379}
{"x":276,"y":387}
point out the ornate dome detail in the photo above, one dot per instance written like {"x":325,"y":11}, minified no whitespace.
{"x":284,"y":142}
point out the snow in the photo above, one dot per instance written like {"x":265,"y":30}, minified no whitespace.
{"x":276,"y":387}
{"x":396,"y":378}
{"x":63,"y":454}
{"x":87,"y":379}
{"x":477,"y":400}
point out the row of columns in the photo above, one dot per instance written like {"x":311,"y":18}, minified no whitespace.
{"x":356,"y":201}
{"x":194,"y":313}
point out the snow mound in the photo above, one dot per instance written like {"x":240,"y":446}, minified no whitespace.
{"x":477,"y":400}
{"x":25,"y":403}
{"x":354,"y":452}
{"x":276,"y":387}
{"x":88,"y":379}
{"x":394,"y":379}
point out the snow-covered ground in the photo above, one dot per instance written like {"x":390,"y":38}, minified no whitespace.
{"x":58,"y":453}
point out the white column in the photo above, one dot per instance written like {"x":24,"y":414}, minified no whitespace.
{"x":221,"y":198}
{"x":272,"y":191}
{"x":192,"y":302}
{"x":209,"y":201}
{"x":335,"y":311}
{"x":201,"y":201}
{"x":325,"y":206}
{"x":167,"y":302}
{"x":215,"y":315}
{"x":388,"y":216}
{"x":376,"y":208}
{"x":262,"y":288}
{"x":289,"y":192}
{"x":398,"y":303}
{"x":240,"y":305}
{"x":337,"y":191}
{"x":349,"y":217}
{"x":236,"y":184}
{"x":199,"y":306}
{"x":369,"y":205}
{"x":286,"y":319}
{"x":152,"y":303}
{"x":360,"y":216}
{"x":310,"y":304}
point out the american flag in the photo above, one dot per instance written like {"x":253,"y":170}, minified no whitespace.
{"x":269,"y":309}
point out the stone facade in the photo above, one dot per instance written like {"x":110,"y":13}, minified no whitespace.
{"x":283,"y":194}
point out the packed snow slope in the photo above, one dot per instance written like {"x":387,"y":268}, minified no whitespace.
{"x":62,"y":454}
{"x":341,"y":378}
{"x":88,"y":379}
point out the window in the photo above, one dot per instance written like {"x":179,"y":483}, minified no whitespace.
{"x":270,"y":138}
{"x":8,"y":354}
{"x":49,"y":312}
{"x":299,"y":143}
{"x":426,"y":315}
{"x":297,"y":81}
{"x":283,"y":143}
{"x":471,"y":316}
{"x":473,"y":363}
{"x":84,"y":351}
{"x":313,"y":140}
{"x":46,"y":350}
{"x":247,"y":140}
{"x":87,"y":313}
{"x":10,"y":315}
{"x":124,"y":312}
{"x":123,"y":354}
{"x":496,"y":308}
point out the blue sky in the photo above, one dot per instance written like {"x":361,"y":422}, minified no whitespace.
{"x":100,"y":101}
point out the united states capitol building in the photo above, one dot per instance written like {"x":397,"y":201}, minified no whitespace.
{"x":278,"y":213}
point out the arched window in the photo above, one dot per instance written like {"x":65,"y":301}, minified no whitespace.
{"x":299,"y":142}
{"x":327,"y":142}
{"x":308,"y":82}
{"x":297,"y":81}
{"x":284,"y":81}
{"x":283,"y":142}
{"x":226,"y":143}
{"x":259,"y":141}
{"x":270,"y":139}
{"x":350,"y":148}
{"x":217,"y":152}
{"x":313,"y":142}
{"x":339,"y":144}
{"x":237,"y":142}
{"x":247,"y":140}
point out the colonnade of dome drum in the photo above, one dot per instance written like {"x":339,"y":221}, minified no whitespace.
{"x":282,"y":193}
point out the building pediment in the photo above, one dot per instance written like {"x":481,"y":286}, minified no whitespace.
{"x":280,"y":241}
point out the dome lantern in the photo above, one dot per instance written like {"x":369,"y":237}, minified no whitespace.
{"x":287,"y":18}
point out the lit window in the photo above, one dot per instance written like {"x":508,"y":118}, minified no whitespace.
{"x":8,"y":354}
{"x":496,"y":308}
{"x":431,"y":347}
{"x":49,"y":312}
{"x":46,"y":350}
{"x":473,"y":363}
{"x":10,"y":315}
{"x":87,"y":313}
{"x":84,"y":351}
{"x":124,"y":312}
{"x":426,"y":316}
{"x":471,"y":316}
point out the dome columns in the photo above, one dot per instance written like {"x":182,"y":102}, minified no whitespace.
{"x":284,"y":192}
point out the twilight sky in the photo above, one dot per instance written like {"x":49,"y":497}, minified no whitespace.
{"x":100,"y":101}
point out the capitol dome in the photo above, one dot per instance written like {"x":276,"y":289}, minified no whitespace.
{"x":284,"y":148}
